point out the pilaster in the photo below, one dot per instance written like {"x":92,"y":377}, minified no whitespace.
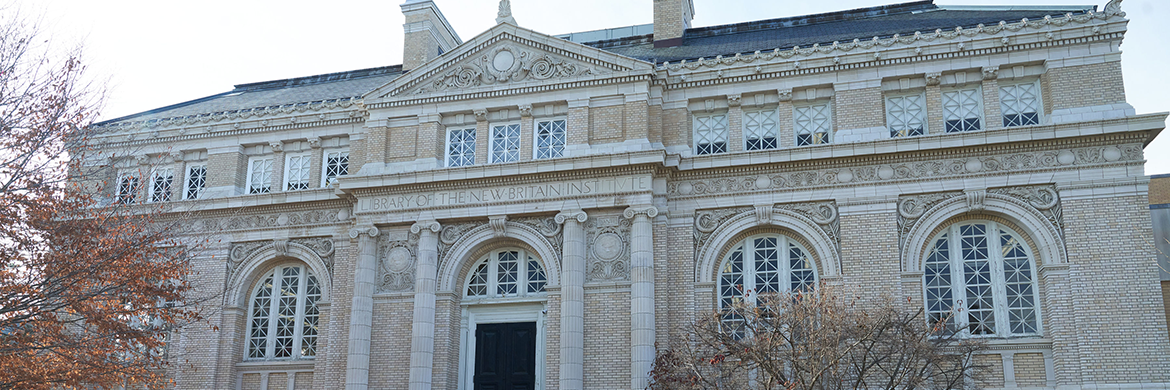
{"x":422,"y":334}
{"x":357,"y":369}
{"x":572,"y":300}
{"x":641,"y":294}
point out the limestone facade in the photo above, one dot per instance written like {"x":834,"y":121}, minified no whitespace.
{"x":630,"y":226}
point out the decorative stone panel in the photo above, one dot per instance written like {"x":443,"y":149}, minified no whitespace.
{"x":607,"y":238}
{"x":396,"y":262}
{"x":912,"y":207}
{"x":824,"y":213}
{"x":268,"y":221}
{"x":1042,"y":197}
{"x":451,"y":234}
{"x":706,"y":221}
{"x":322,"y":246}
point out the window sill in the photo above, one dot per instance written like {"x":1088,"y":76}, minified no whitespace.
{"x":276,"y":365}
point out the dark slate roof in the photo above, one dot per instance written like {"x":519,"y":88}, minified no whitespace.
{"x":843,"y":26}
{"x":301,"y":90}
{"x":727,"y":40}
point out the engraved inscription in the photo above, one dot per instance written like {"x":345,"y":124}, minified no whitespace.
{"x":600,"y":186}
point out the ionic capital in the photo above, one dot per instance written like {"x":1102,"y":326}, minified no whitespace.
{"x":368,"y":230}
{"x":631,"y":212}
{"x":419,"y":226}
{"x":579,"y":215}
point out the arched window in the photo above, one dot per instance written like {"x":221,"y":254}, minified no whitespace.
{"x":282,"y":321}
{"x":764,"y":264}
{"x":506,"y":273}
{"x":978,"y":277}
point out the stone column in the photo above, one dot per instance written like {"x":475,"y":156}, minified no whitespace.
{"x":641,"y":294}
{"x":361,"y":312}
{"x":422,"y":333}
{"x":573,"y":300}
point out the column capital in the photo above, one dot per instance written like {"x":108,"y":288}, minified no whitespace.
{"x":431,"y":225}
{"x":633,"y":211}
{"x":579,"y":215}
{"x":368,"y":230}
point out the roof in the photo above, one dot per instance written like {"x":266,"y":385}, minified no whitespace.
{"x":727,"y":40}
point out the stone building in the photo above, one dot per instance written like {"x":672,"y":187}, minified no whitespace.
{"x":522,"y":210}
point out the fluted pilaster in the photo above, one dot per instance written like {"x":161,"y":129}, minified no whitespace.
{"x":422,"y":343}
{"x":573,"y":300}
{"x":641,"y":294}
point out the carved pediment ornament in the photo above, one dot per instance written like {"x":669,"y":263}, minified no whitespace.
{"x":506,"y":63}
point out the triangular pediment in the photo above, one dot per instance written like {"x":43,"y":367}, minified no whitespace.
{"x":505,"y":55}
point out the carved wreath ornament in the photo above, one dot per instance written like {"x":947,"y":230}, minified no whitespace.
{"x":505,"y":64}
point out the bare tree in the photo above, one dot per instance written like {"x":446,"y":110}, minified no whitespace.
{"x":818,"y":339}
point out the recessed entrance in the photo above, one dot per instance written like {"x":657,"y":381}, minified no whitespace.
{"x":505,"y":356}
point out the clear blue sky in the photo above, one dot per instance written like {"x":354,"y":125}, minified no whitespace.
{"x":156,"y":53}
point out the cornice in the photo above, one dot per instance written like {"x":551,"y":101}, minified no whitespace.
{"x":212,"y":118}
{"x":519,"y":89}
{"x":228,"y":133}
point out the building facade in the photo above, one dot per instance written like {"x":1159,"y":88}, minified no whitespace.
{"x":522,"y":210}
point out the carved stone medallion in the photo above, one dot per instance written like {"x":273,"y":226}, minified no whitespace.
{"x":396,"y":262}
{"x":608,"y":257}
{"x":398,"y":259}
{"x":608,"y":246}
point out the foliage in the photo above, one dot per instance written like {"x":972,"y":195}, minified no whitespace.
{"x":88,"y":291}
{"x":817,"y":340}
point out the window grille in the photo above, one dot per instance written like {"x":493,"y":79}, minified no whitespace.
{"x":963,"y":110}
{"x":764,"y":264}
{"x":1020,"y":104}
{"x":160,"y":185}
{"x":550,"y":139}
{"x":507,"y":273}
{"x":196,"y":181}
{"x":127,"y":191}
{"x":284,"y":318}
{"x":906,"y":115}
{"x":461,"y":148}
{"x":710,"y":134}
{"x":336,"y":165}
{"x":296,"y":173}
{"x":505,"y":143}
{"x":813,"y":124}
{"x":260,"y":176}
{"x":759,"y":130}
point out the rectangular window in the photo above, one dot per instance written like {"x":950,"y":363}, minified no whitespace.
{"x":906,"y":115}
{"x":505,"y":143}
{"x":160,"y":185}
{"x":1020,"y":104}
{"x":710,"y":134}
{"x":759,"y":130}
{"x":296,"y":172}
{"x":260,"y":175}
{"x":196,"y":181}
{"x":336,"y":164}
{"x":963,"y":110}
{"x":550,"y":139}
{"x":813,"y":124}
{"x":127,"y":190}
{"x":461,"y":147}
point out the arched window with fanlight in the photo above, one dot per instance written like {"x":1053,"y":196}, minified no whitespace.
{"x":979,"y":278}
{"x":283,"y":315}
{"x":763,"y":264}
{"x":507,"y":273}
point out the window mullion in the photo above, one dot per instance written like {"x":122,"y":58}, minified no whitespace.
{"x":299,"y":314}
{"x":958,"y":278}
{"x":999,"y":290}
{"x":785,"y":267}
{"x":522,"y":278}
{"x":493,"y":282}
{"x":273,"y":313}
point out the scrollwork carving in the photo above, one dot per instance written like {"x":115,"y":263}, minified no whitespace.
{"x":706,"y":221}
{"x":547,"y":227}
{"x":267,"y":221}
{"x":912,"y":207}
{"x":823,"y":213}
{"x":1044,"y":198}
{"x":396,"y":263}
{"x":608,"y":257}
{"x":504,"y":64}
{"x":451,"y":233}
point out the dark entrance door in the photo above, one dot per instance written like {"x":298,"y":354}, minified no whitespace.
{"x":505,"y":356}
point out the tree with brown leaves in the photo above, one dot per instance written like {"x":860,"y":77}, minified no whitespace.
{"x":817,"y":340}
{"x":89,"y":290}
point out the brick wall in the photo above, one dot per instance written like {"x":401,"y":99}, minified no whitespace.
{"x":607,"y":340}
{"x":862,"y":108}
{"x":606,"y":124}
{"x":1085,"y":85}
{"x":637,"y":120}
{"x":390,"y":343}
{"x":992,"y":373}
{"x":405,"y":144}
{"x":870,"y":256}
{"x":1160,"y":190}
{"x":676,"y":127}
{"x":1029,"y":369}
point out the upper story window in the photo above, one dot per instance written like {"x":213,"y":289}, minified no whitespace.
{"x":507,"y":273}
{"x":296,"y":172}
{"x":550,"y":138}
{"x":127,"y":191}
{"x":978,"y":277}
{"x":160,"y":185}
{"x":710,"y":134}
{"x":963,"y":109}
{"x":759,"y":130}
{"x":259,"y":175}
{"x":283,"y":317}
{"x":461,"y":147}
{"x":813,"y":123}
{"x":196,"y":181}
{"x":763,"y":264}
{"x":1020,"y":103}
{"x":336,"y":165}
{"x":505,"y":143}
{"x":906,"y":115}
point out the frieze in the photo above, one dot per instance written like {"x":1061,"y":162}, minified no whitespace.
{"x":917,"y":170}
{"x":506,"y":64}
{"x":267,"y":221}
{"x":506,"y":193}
{"x":321,"y":246}
{"x":396,"y":263}
{"x":608,"y":256}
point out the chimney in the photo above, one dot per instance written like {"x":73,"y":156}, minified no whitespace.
{"x":671,"y":19}
{"x":428,"y":35}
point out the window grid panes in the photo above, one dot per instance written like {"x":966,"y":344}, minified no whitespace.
{"x":196,"y":181}
{"x":507,"y":273}
{"x":993,"y":292}
{"x":906,"y":115}
{"x":127,"y":190}
{"x":505,"y":143}
{"x":710,"y":134}
{"x":336,"y":164}
{"x":963,"y":110}
{"x":550,"y":139}
{"x":284,"y":317}
{"x":812,"y":124}
{"x":1020,"y":104}
{"x":296,"y":173}
{"x":461,"y":148}
{"x":759,"y":130}
{"x":260,"y":176}
{"x":160,"y":185}
{"x":766,"y":264}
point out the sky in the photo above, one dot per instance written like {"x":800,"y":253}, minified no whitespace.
{"x":155,"y":53}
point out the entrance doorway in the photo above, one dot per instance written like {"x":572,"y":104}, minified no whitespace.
{"x":505,"y":356}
